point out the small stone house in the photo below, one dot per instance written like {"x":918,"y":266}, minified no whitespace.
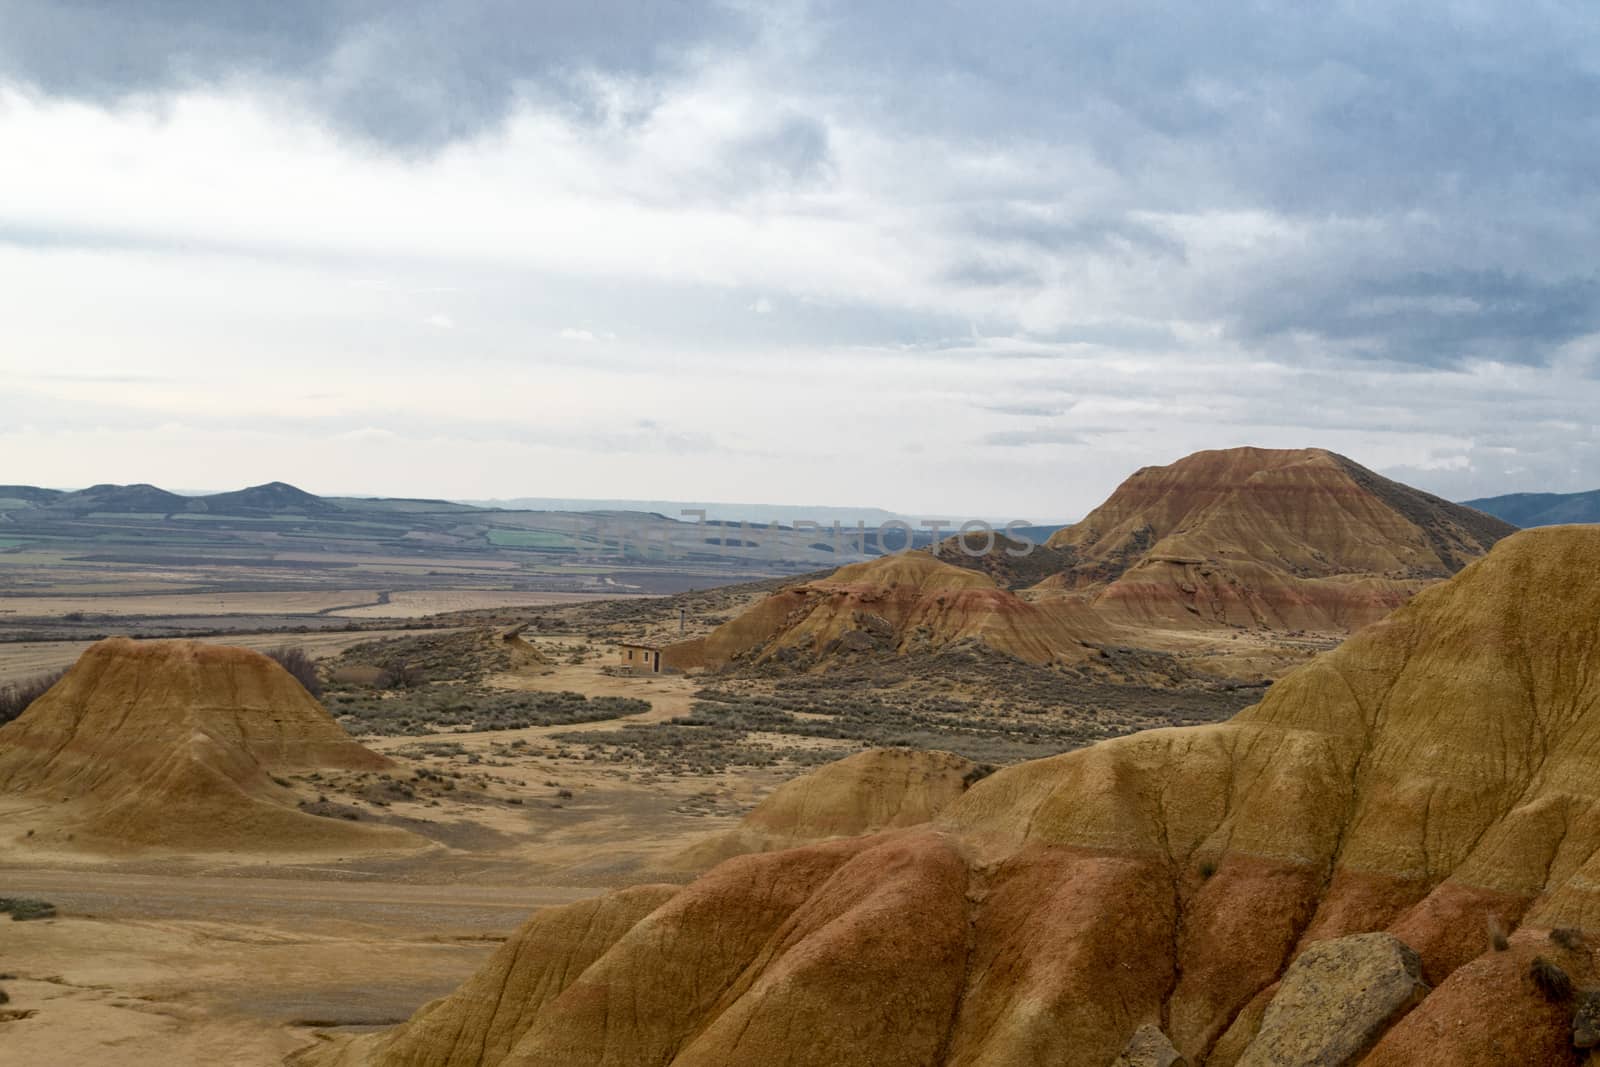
{"x":641,"y":658}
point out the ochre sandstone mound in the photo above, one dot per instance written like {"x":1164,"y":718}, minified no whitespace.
{"x":1283,"y":538}
{"x":1263,"y":539}
{"x":879,"y":789}
{"x":1436,"y":777}
{"x":176,"y":743}
{"x":903,"y":603}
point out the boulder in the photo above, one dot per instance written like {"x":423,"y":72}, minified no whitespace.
{"x":1335,"y":1002}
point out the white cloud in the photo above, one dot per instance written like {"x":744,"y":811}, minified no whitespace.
{"x":1110,"y":270}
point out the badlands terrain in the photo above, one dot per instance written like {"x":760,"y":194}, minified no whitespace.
{"x":1138,"y":793}
{"x":1389,"y":860}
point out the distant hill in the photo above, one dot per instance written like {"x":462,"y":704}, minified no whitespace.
{"x":1286,"y":538}
{"x":126,"y":499}
{"x":30,"y":495}
{"x":275,"y":524}
{"x":274,"y":498}
{"x":1531,"y":509}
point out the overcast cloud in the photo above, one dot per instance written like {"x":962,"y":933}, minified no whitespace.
{"x":984,"y":259}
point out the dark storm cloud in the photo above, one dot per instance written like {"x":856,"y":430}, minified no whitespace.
{"x":1307,"y":105}
{"x":1434,"y":164}
{"x":411,"y":73}
{"x":1438,"y":318}
{"x":1476,"y":118}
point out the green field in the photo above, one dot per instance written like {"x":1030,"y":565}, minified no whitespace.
{"x":529,"y":539}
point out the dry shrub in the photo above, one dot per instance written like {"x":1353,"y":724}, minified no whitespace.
{"x":297,"y":661}
{"x":1552,"y":981}
{"x":1567,"y":938}
{"x":15,"y":698}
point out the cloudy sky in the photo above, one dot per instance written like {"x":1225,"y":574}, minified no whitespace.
{"x":980,"y":259}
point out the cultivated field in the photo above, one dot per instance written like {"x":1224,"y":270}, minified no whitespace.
{"x":420,"y":603}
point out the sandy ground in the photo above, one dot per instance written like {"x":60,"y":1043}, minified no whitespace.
{"x":416,"y":603}
{"x":146,"y":969}
{"x":242,"y":958}
{"x":670,"y":695}
{"x":306,"y":602}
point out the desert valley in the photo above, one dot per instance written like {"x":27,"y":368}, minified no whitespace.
{"x":1267,"y":760}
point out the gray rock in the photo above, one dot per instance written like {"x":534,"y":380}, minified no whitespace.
{"x":1586,"y":1020}
{"x":1335,"y":1001}
{"x":1149,"y":1047}
{"x":876,"y":625}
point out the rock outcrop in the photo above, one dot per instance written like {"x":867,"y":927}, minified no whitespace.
{"x":1282,"y":538}
{"x":879,"y":789}
{"x":178,"y":744}
{"x":1439,"y":769}
{"x":1149,"y":1047}
{"x":903,"y":603}
{"x":1336,"y":999}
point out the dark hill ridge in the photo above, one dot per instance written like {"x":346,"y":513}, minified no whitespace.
{"x":274,"y":498}
{"x":30,"y":494}
{"x":133,"y":499}
{"x":1538,"y":509}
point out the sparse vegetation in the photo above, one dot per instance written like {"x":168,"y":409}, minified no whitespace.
{"x":908,"y":702}
{"x":330,"y":810}
{"x":299,"y":663}
{"x":24,"y":909}
{"x":1568,"y":938}
{"x":977,"y":774}
{"x":1551,"y":980}
{"x":411,"y":661}
{"x":15,"y":698}
{"x":435,"y":708}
